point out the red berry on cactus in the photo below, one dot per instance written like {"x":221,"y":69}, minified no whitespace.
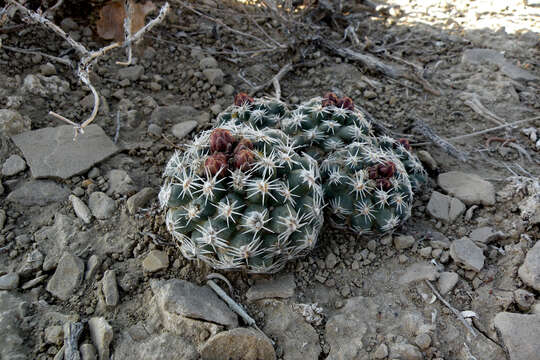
{"x":242,"y":98}
{"x":216,"y":163}
{"x":221,"y":140}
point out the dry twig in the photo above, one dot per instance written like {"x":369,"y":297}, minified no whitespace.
{"x":421,"y":127}
{"x":473,"y":101}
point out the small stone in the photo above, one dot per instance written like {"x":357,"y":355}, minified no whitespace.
{"x":102,"y":334}
{"x":149,"y":53}
{"x":331,"y":261}
{"x":372,"y":245}
{"x":227,"y":89}
{"x":427,"y":160}
{"x":38,"y":192}
{"x":403,"y":241}
{"x":423,"y":341}
{"x":216,"y":109}
{"x":9,"y":281}
{"x":208,"y":63}
{"x":214,"y":76}
{"x":405,"y":351}
{"x":369,"y":94}
{"x":524,"y":299}
{"x":47,"y":69}
{"x":34,"y":282}
{"x":155,"y":130}
{"x":88,"y":352}
{"x":101,"y":205}
{"x":155,"y":261}
{"x":403,"y":258}
{"x":3,"y":218}
{"x":425,"y":252}
{"x":120,"y":182}
{"x":110,"y":288}
{"x":444,"y":207}
{"x":280,"y":287}
{"x":529,"y":272}
{"x":519,"y":334}
{"x":92,"y":267}
{"x":54,"y":334}
{"x":447,"y":281}
{"x":154,"y":86}
{"x":132,"y":73}
{"x":13,"y":165}
{"x":12,"y":123}
{"x":68,"y":24}
{"x":182,"y":129}
{"x":419,"y":272}
{"x":381,"y":352}
{"x":239,"y":343}
{"x":67,"y":277}
{"x":469,"y":188}
{"x":140,"y":199}
{"x":81,"y":210}
{"x":485,"y":235}
{"x":467,"y":254}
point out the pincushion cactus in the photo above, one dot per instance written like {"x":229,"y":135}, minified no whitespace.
{"x":242,"y":198}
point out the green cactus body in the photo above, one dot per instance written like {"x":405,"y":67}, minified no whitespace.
{"x":251,"y":208}
{"x":259,"y":113}
{"x":366,"y":188}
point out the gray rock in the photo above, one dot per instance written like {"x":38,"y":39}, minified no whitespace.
{"x":67,"y":277}
{"x":110,"y":288}
{"x":88,"y":352}
{"x":481,"y":56}
{"x":529,"y":272}
{"x":485,"y":235}
{"x":524,"y":299}
{"x":403,"y":241}
{"x":467,"y":254}
{"x":51,"y":152}
{"x":419,"y":272}
{"x":469,"y":188}
{"x":183,"y":298}
{"x":13,"y":344}
{"x":92,"y":267}
{"x":12,"y":123}
{"x":239,"y":343}
{"x":344,"y":333}
{"x":381,"y":352}
{"x":165,"y":346}
{"x":405,"y":351}
{"x":44,"y":86}
{"x":38,"y":192}
{"x":32,"y":262}
{"x":444,"y":207}
{"x":81,"y":210}
{"x":102,"y":334}
{"x":294,"y":335}
{"x":9,"y":281}
{"x":173,"y":114}
{"x":331,"y":260}
{"x":140,"y":199}
{"x":279,"y":287}
{"x":3,"y":218}
{"x":68,"y":24}
{"x":228,"y":89}
{"x":47,"y":69}
{"x":216,"y":109}
{"x":447,"y":281}
{"x":54,"y":334}
{"x":120,"y":183}
{"x":155,"y":130}
{"x":519,"y":334}
{"x":208,"y":63}
{"x":181,"y":130}
{"x":13,"y":165}
{"x":214,"y":76}
{"x":101,"y":205}
{"x":156,"y":260}
{"x":423,"y":341}
{"x":132,"y":73}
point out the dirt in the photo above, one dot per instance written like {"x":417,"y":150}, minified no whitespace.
{"x":431,"y":36}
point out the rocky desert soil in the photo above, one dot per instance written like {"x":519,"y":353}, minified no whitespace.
{"x":88,"y":270}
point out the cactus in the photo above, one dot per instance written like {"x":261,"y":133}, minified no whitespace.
{"x":366,"y":188}
{"x":242,"y":198}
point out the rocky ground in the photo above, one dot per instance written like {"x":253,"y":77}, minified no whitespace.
{"x":85,"y":261}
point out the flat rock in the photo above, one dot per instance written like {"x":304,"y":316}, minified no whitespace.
{"x":208,"y":63}
{"x":13,"y":342}
{"x":445,"y":208}
{"x":469,"y":188}
{"x":140,"y":199}
{"x":529,"y":272}
{"x":297,"y":338}
{"x":51,"y":152}
{"x":101,"y":205}
{"x":38,"y":192}
{"x":9,"y":281}
{"x":102,"y":334}
{"x":214,"y":76}
{"x":110,"y":288}
{"x":467,"y":254}
{"x":405,"y":351}
{"x":403,"y":241}
{"x":44,"y":86}
{"x":120,"y":182}
{"x":132,"y":73}
{"x":173,"y":114}
{"x":447,"y":281}
{"x":156,"y":260}
{"x":519,"y":333}
{"x":280,"y":287}
{"x":344,"y":333}
{"x":13,"y":165}
{"x":239,"y":343}
{"x":419,"y":272}
{"x":189,"y":300}
{"x":480,"y":56}
{"x":81,"y":210}
{"x":67,"y":277}
{"x":12,"y":123}
{"x":181,"y":130}
{"x":485,"y":235}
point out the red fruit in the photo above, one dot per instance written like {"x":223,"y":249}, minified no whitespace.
{"x":242,"y":98}
{"x":387,"y":169}
{"x":372,"y":172}
{"x":216,"y":163}
{"x":405,"y":143}
{"x":346,"y":103}
{"x":243,"y":144}
{"x":221,"y":140}
{"x":330,"y":99}
{"x":384,"y":184}
{"x":243,"y":159}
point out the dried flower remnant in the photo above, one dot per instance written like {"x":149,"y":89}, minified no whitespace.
{"x":221,"y":140}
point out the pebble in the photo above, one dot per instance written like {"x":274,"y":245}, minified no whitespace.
{"x":78,"y":191}
{"x":208,"y":63}
{"x":447,"y":281}
{"x":239,"y":343}
{"x":524,"y":299}
{"x":381,"y":352}
{"x":13,"y":165}
{"x":469,"y":188}
{"x":34,"y":282}
{"x":67,"y":277}
{"x":419,"y":272}
{"x":423,"y":341}
{"x":405,"y":351}
{"x":331,"y":260}
{"x":426,"y":159}
{"x":182,"y":129}
{"x":444,"y":207}
{"x":101,"y":205}
{"x":120,"y":182}
{"x":467,"y":254}
{"x":12,"y":123}
{"x":132,"y":73}
{"x":9,"y":281}
{"x":216,"y":109}
{"x":102,"y":334}
{"x":81,"y":210}
{"x":47,"y":69}
{"x":372,"y":245}
{"x":403,"y":241}
{"x":3,"y":218}
{"x":227,"y":89}
{"x":110,"y":288}
{"x":529,"y":272}
{"x":425,"y":252}
{"x":88,"y":352}
{"x":92,"y":267}
{"x":279,"y":287}
{"x":155,"y":130}
{"x":214,"y":76}
{"x":68,"y":24}
{"x":140,"y":199}
{"x":155,"y":260}
{"x":485,"y":235}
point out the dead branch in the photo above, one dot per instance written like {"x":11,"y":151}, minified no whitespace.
{"x":273,"y":81}
{"x":421,"y":127}
{"x":473,"y":101}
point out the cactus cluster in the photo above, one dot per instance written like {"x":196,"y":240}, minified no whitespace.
{"x":248,"y":195}
{"x":242,"y":198}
